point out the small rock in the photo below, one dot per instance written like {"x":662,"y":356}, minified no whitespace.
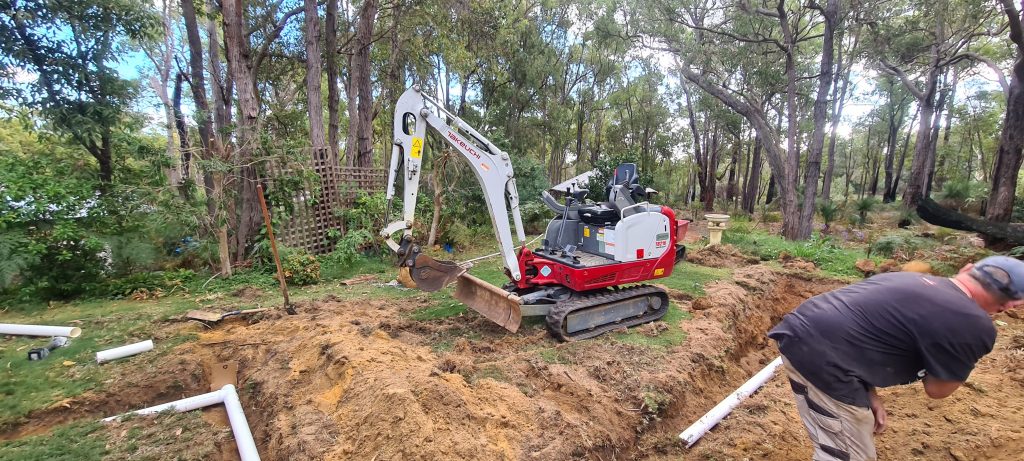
{"x":865,"y":266}
{"x":957,"y":455}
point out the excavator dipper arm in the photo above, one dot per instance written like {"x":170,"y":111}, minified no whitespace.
{"x":414,"y":113}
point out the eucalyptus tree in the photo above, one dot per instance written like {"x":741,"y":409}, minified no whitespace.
{"x":1011,"y":141}
{"x":916,"y":42}
{"x":212,"y":150}
{"x":779,"y":31}
{"x":896,"y":108}
{"x":359,"y":144}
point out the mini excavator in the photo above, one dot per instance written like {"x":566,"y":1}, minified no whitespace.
{"x":585,"y":278}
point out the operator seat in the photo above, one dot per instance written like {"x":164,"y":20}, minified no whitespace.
{"x":623,"y":190}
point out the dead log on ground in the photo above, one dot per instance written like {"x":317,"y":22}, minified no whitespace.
{"x":930,"y":211}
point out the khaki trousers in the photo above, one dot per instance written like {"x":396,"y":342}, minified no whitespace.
{"x":839,"y":431}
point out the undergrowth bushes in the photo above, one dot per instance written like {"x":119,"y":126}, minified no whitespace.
{"x":901,"y":245}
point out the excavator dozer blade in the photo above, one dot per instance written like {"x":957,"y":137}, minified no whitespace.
{"x":428,"y":274}
{"x":498,"y":305}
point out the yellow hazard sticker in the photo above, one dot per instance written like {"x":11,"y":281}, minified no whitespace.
{"x":586,"y":232}
{"x":417,"y":148}
{"x":659,"y":271}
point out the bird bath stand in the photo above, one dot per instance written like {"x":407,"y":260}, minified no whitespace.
{"x":716,"y":224}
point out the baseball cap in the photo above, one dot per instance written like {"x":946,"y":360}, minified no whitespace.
{"x":1003,"y":274}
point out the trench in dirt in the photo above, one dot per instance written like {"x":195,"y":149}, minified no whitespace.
{"x":360,"y":380}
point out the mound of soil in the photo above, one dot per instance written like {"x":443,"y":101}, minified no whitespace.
{"x":725,"y":255}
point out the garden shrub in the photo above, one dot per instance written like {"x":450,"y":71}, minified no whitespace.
{"x":349,"y":248}
{"x":300,"y":267}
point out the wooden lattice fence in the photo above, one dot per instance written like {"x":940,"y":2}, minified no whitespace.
{"x":317,"y":204}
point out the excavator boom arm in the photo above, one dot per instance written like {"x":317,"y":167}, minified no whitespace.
{"x":491,"y":166}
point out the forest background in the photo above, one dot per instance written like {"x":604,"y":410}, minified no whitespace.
{"x":133,"y":135}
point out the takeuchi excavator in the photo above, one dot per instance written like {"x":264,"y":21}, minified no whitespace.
{"x":586,"y":276}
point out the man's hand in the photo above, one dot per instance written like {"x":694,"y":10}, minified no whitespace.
{"x":878,"y":410}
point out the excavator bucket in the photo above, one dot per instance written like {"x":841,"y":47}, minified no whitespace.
{"x":498,"y":305}
{"x":428,"y":274}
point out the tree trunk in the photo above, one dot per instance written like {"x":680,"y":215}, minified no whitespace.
{"x":730,"y":185}
{"x":707,"y":191}
{"x":314,"y":98}
{"x":219,"y":82}
{"x":849,"y":171}
{"x":896,"y":116}
{"x":239,"y":62}
{"x":898,"y":173}
{"x":1011,"y":141}
{"x":917,"y":184}
{"x":331,"y":56}
{"x":922,"y":150}
{"x":933,"y":137}
{"x":440,"y":162}
{"x":754,"y":180}
{"x":813,"y":169}
{"x":211,"y":147}
{"x":182,"y":129}
{"x":791,"y":215}
{"x":358,"y":150}
{"x":837,"y":111}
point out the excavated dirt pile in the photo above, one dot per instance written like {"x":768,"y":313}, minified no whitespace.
{"x":361,"y":380}
{"x":725,"y":255}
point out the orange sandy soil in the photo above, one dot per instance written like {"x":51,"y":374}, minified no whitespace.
{"x":360,"y":380}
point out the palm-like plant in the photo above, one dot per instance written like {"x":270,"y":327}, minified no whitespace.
{"x":829,"y":212}
{"x":864,"y":206}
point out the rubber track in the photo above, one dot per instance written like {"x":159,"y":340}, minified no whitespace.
{"x":556,"y":317}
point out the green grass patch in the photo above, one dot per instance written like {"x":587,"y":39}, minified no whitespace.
{"x":488,"y":372}
{"x":365,"y":265}
{"x":73,"y":442}
{"x":673,"y":336}
{"x":437,"y":312}
{"x":30,"y":385}
{"x":826,"y":253}
{"x":561,"y":355}
{"x":691,"y":278}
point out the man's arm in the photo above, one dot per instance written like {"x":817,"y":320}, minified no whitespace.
{"x":939,"y":388}
{"x":878,"y":410}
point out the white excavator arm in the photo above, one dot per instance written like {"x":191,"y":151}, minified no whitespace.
{"x":492,"y":167}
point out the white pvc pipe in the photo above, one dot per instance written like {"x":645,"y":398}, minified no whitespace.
{"x":124,"y":351}
{"x":697,"y":430}
{"x":226,"y":395}
{"x":38,"y":330}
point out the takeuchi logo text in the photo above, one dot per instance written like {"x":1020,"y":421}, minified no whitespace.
{"x":463,"y":144}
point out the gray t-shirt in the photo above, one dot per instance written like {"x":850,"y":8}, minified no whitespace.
{"x":889,"y":329}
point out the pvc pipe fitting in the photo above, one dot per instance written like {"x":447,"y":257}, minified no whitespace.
{"x":124,"y":351}
{"x":236,"y":417}
{"x":696,"y":430}
{"x":38,"y":330}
